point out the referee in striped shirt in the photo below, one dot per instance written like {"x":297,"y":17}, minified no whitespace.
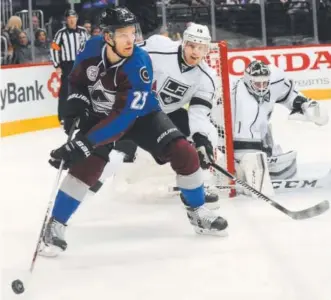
{"x":65,"y":46}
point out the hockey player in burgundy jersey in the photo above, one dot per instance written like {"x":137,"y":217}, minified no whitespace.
{"x":111,"y":94}
{"x":181,"y":78}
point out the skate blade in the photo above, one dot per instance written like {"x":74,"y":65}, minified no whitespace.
{"x":50,"y":251}
{"x":202,"y":231}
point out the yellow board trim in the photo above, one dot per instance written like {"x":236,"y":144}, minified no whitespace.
{"x":22,"y":126}
{"x":318,"y":94}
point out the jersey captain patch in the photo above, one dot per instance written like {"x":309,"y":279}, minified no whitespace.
{"x":172,"y":91}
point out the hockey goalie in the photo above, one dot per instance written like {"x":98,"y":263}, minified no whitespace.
{"x":258,"y":159}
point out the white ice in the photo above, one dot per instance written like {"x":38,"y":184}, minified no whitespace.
{"x":133,"y":240}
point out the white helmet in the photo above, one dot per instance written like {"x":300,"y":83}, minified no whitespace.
{"x":197,"y":33}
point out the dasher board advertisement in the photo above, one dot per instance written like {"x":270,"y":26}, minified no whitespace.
{"x":308,"y":66}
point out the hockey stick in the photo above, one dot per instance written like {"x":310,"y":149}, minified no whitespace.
{"x":296,"y":215}
{"x":51,"y":201}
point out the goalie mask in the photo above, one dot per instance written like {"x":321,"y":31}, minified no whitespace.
{"x":257,"y":78}
{"x":196,"y":43}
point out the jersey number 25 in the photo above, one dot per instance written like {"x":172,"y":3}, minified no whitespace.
{"x":139,"y":100}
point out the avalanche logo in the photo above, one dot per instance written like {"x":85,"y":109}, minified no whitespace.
{"x":102,"y":99}
{"x":54,"y":84}
{"x":143,"y":73}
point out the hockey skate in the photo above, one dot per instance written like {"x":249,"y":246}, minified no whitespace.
{"x":206,"y":221}
{"x":211,"y":199}
{"x":53,"y":240}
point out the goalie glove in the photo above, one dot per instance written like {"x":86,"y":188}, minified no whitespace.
{"x":310,"y":110}
{"x":314,"y":113}
{"x":205,"y":150}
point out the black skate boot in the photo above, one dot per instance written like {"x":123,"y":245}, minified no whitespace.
{"x":205,"y":221}
{"x":211,"y":199}
{"x":54,"y":240}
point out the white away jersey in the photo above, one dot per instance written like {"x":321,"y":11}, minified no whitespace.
{"x":251,"y":118}
{"x":177,"y":84}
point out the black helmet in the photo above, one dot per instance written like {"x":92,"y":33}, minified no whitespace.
{"x":117,"y":17}
{"x":70,"y":12}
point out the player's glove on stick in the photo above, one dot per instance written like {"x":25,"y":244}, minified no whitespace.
{"x":205,"y":150}
{"x":76,"y":108}
{"x":72,"y":152}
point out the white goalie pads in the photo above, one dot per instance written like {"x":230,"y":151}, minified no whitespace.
{"x":283,"y":166}
{"x":253,"y":168}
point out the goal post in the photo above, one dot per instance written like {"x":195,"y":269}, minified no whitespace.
{"x":217,"y":59}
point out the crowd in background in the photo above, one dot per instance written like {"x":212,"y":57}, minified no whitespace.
{"x":288,"y":22}
{"x":16,"y":46}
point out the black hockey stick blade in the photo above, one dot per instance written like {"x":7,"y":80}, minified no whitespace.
{"x":310,"y":212}
{"x":295,"y":215}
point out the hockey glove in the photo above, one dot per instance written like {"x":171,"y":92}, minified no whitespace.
{"x":205,"y":150}
{"x":76,"y":108}
{"x":72,"y":152}
{"x":315,"y":113}
{"x":310,"y":110}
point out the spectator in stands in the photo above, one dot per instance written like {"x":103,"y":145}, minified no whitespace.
{"x":12,"y":31}
{"x":22,"y":53}
{"x":96,"y":30}
{"x":35,"y":27}
{"x":42,"y":46}
{"x":88,"y":26}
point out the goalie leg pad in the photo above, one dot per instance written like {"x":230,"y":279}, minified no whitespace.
{"x":283,"y":166}
{"x":253,"y":168}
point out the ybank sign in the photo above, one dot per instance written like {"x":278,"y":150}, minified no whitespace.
{"x":308,"y":66}
{"x":28,"y":98}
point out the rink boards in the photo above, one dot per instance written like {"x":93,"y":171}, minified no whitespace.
{"x":29,"y":93}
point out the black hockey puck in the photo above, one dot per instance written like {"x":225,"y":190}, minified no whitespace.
{"x":17,"y":286}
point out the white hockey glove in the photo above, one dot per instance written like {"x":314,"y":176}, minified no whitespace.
{"x":205,"y":150}
{"x":314,"y":113}
{"x":309,"y":111}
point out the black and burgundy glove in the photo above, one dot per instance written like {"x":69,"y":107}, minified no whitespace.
{"x":72,"y":152}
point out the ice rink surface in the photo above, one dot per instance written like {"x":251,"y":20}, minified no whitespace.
{"x":133,"y":240}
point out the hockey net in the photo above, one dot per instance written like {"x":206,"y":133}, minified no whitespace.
{"x":222,"y":114}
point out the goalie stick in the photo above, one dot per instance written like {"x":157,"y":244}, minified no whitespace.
{"x":284,"y":185}
{"x":296,"y":215}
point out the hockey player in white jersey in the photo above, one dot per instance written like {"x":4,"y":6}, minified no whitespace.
{"x":258,"y":158}
{"x":181,"y":77}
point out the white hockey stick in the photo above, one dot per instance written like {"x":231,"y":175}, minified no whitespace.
{"x":18,"y":285}
{"x":51,"y":202}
